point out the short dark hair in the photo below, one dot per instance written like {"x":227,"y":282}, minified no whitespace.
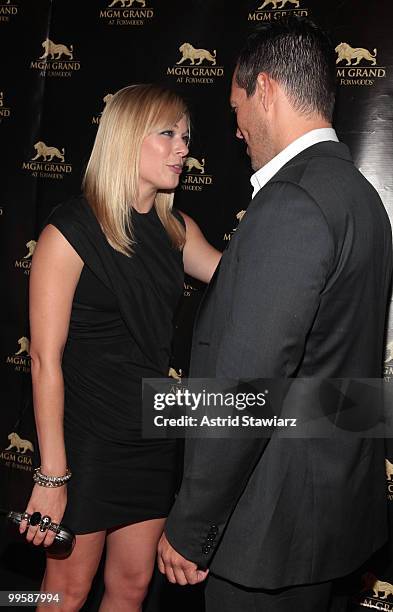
{"x":297,"y":54}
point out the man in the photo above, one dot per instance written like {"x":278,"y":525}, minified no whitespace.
{"x":301,"y":292}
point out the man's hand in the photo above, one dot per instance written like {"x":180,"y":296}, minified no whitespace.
{"x":177,"y":569}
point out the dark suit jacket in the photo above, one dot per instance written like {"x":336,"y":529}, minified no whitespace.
{"x":301,"y":291}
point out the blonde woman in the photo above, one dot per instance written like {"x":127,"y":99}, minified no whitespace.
{"x":106,"y":278}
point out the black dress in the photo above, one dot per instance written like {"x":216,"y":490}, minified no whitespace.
{"x":120,"y":331}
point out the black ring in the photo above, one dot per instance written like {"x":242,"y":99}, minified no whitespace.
{"x":35,"y":519}
{"x":45,"y":522}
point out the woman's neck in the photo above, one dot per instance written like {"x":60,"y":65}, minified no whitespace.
{"x":145,"y":201}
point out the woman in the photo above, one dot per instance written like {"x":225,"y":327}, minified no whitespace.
{"x":105,"y":281}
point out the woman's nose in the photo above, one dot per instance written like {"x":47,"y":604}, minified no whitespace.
{"x":182,"y":148}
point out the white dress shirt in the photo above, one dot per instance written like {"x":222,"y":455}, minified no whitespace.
{"x":264,"y":174}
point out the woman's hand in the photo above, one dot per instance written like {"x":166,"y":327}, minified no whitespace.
{"x":49,"y":501}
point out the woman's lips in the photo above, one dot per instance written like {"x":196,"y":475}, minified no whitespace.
{"x":176,"y":168}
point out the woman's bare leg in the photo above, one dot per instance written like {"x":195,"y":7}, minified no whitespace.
{"x":72,"y":577}
{"x":131,"y":553}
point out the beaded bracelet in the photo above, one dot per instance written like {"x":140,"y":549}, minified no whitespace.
{"x":50,"y":481}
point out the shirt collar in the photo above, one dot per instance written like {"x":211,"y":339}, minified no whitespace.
{"x":264,"y":174}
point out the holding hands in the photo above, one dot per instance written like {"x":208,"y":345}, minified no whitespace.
{"x":177,"y":569}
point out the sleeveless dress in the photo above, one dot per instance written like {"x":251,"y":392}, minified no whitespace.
{"x":120,"y":330}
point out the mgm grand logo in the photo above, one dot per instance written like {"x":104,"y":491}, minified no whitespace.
{"x":388,"y":362}
{"x":188,"y":290}
{"x":20,"y":360}
{"x":16,"y":454}
{"x":5,"y":111}
{"x":57,"y":60}
{"x":239,"y":217}
{"x":275,"y":9}
{"x":126,"y":13}
{"x":7,"y":10}
{"x":195,"y":66}
{"x":389,"y":479}
{"x":25,"y":262}
{"x":48,"y":162}
{"x":194,"y":177}
{"x":359,"y":65}
{"x":380,"y":593}
{"x":177,"y":376}
{"x":105,"y":99}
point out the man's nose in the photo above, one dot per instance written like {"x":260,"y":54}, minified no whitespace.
{"x":239,"y":134}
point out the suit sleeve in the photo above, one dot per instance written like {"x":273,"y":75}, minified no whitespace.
{"x":283,"y":260}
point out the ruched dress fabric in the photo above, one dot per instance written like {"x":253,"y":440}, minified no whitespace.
{"x":120,"y":330}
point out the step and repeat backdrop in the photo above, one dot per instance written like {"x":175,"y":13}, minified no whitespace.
{"x":61,"y":62}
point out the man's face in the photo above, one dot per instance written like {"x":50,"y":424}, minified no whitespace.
{"x":252,"y":125}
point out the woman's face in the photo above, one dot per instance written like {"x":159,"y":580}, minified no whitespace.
{"x":162,"y":158}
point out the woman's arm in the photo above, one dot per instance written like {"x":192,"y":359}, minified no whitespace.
{"x":200,"y":258}
{"x":55,"y":272}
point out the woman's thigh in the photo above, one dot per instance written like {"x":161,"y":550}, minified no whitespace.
{"x":131,"y":551}
{"x":78,"y":570}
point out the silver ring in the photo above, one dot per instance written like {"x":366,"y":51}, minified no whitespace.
{"x":54,"y":527}
{"x":45,"y":522}
{"x":25,"y":516}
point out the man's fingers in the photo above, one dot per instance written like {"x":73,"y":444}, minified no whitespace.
{"x":180,"y":576}
{"x":177,"y":569}
{"x":202,"y":575}
{"x":191,"y":575}
{"x":170,"y":574}
{"x":160,"y":564}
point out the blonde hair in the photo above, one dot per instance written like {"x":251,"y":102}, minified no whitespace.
{"x":111,"y":180}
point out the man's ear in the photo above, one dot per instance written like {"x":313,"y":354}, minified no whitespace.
{"x":265,"y":89}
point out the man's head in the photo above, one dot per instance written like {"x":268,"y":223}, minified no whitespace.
{"x":283,"y":85}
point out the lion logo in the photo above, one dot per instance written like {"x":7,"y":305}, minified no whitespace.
{"x":371,"y":582}
{"x":125,"y":5}
{"x":24,"y":346}
{"x":389,"y":352}
{"x":240,"y":215}
{"x":275,"y":3}
{"x":56,"y":51}
{"x":192,"y":162}
{"x":190,"y":53}
{"x":348,"y":53}
{"x":18,"y":443}
{"x":44,"y":151}
{"x":30,"y":247}
{"x":389,"y":469}
{"x":174,"y":374}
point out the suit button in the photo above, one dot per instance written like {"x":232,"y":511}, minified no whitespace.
{"x":211,"y":537}
{"x":213,"y":528}
{"x":205,"y":550}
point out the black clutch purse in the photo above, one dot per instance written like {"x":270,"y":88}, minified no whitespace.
{"x":63,"y":543}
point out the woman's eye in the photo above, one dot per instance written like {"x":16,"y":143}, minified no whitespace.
{"x":167,"y":133}
{"x":186,"y":140}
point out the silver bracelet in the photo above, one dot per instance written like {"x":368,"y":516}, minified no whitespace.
{"x":50,"y":481}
